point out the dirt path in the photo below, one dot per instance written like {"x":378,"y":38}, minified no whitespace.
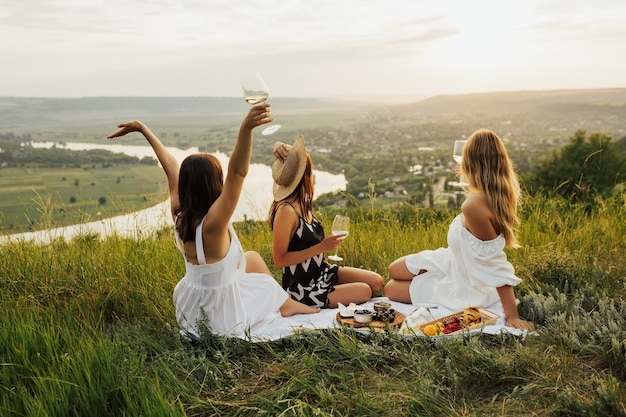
{"x":437,"y":189}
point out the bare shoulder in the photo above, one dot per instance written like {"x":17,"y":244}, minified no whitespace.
{"x":477,"y":217}
{"x":285,"y":223}
{"x":286,"y":214}
{"x":475,"y":205}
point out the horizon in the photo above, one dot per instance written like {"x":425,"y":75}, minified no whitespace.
{"x":372,"y":99}
{"x":353,"y":50}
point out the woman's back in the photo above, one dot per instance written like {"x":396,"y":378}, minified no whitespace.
{"x":478,"y":218}
{"x":222,"y":297}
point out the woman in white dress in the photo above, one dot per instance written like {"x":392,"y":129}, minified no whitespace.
{"x":473,"y":269}
{"x":225,"y":290}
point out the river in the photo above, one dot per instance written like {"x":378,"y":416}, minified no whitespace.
{"x":254,"y":202}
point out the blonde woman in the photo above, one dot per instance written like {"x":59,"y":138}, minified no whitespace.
{"x":473,"y":269}
{"x":298,"y":241}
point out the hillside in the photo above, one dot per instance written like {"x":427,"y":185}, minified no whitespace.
{"x":376,"y":147}
{"x":587,"y":109}
{"x":598,"y":100}
{"x":531,"y":115}
{"x":19,"y":113}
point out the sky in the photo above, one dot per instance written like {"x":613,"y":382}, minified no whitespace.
{"x":352,"y":49}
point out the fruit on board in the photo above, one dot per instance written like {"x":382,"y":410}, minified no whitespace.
{"x":452,"y":327}
{"x":433,"y":329}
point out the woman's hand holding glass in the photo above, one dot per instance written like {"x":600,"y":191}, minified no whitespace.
{"x":255,"y":92}
{"x":340,"y":228}
{"x":258,"y":115}
{"x":457,"y":155}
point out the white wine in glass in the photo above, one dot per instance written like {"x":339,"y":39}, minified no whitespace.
{"x":255,"y":91}
{"x":341,"y":226}
{"x":457,"y":152}
{"x":457,"y":155}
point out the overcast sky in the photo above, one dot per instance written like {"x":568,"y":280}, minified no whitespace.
{"x":308,"y":48}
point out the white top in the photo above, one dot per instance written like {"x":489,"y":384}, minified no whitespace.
{"x":222,"y":296}
{"x":465,"y":273}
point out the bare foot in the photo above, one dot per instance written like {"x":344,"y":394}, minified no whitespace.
{"x":291,"y":307}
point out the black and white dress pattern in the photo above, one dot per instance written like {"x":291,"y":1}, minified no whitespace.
{"x":310,"y":281}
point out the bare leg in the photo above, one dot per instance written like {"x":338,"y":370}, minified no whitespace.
{"x":399,"y":271}
{"x":397,"y":289}
{"x":352,"y":292}
{"x":354,"y":285}
{"x":291,"y":307}
{"x":347,"y":275}
{"x":255,"y":263}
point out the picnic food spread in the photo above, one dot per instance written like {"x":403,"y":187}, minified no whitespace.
{"x":469,"y":319}
{"x":382,"y":316}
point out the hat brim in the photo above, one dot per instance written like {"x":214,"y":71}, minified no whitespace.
{"x":298,"y":156}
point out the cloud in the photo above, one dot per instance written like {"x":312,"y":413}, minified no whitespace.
{"x":322,"y":47}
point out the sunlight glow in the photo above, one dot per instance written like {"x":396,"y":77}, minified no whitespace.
{"x":487,"y":42}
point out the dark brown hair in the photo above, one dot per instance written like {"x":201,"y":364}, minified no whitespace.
{"x":200,"y":183}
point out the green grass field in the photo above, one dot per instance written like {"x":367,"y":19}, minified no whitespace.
{"x":35,"y":198}
{"x":87,"y":327}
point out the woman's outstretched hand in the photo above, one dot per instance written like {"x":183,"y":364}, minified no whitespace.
{"x":257,"y":116}
{"x":127,"y":127}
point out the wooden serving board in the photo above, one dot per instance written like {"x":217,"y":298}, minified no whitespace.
{"x":374,"y":324}
{"x":487,"y":317}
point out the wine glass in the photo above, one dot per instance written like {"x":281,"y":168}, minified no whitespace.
{"x":457,"y":152}
{"x":254,"y":92}
{"x":457,"y":155}
{"x":341,"y":226}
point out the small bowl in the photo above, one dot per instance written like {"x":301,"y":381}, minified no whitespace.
{"x":363,"y":316}
{"x":382,"y":306}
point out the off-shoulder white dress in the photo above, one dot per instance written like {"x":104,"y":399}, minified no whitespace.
{"x":222,"y":296}
{"x":465,"y":273}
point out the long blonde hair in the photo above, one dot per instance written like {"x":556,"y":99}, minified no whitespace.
{"x":487,"y":169}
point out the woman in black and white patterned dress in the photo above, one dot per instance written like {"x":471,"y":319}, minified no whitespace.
{"x":298,"y":242}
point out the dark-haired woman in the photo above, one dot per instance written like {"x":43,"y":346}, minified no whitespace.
{"x":298,"y":241}
{"x":224,"y":290}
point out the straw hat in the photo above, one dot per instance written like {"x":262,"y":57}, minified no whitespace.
{"x":288,"y":173}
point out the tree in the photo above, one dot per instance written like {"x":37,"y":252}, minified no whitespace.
{"x":586,"y":167}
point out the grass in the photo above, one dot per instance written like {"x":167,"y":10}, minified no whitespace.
{"x":87,"y":328}
{"x":29,"y":194}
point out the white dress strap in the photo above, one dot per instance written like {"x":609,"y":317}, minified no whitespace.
{"x":199,"y":244}
{"x":234,"y":240}
{"x":177,"y":236}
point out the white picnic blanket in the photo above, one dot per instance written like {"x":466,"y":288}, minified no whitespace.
{"x":286,"y":326}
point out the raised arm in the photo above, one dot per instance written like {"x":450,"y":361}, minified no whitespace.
{"x":238,"y":165}
{"x":168,"y":162}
